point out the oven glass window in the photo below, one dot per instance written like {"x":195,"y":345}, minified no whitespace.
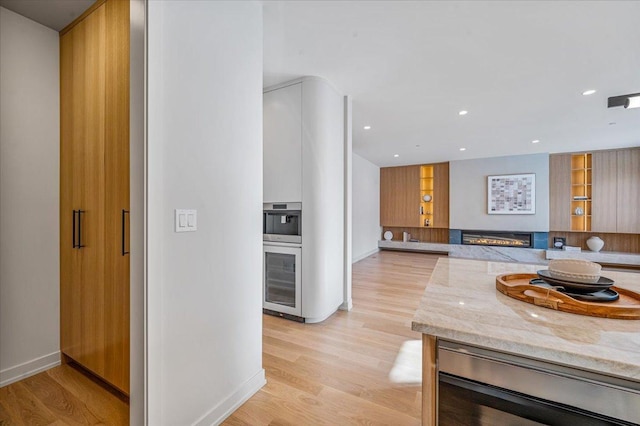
{"x":280,"y":280}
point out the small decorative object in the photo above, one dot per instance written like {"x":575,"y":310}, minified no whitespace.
{"x":511,"y":194}
{"x":427,"y":198}
{"x":571,"y":248}
{"x":595,"y":243}
{"x":406,"y":237}
{"x":427,"y":222}
{"x":559,"y":242}
{"x":388,"y":235}
{"x":578,"y":211}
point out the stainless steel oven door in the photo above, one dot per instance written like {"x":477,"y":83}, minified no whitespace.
{"x":282,"y":279}
{"x":485,"y":387}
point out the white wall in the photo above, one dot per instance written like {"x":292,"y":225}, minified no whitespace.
{"x":322,"y":199}
{"x":366,"y":207}
{"x":204,"y":152}
{"x":468,"y":193}
{"x":29,"y":206}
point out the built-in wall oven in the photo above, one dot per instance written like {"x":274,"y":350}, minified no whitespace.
{"x":282,"y":254}
{"x":282,"y":222}
{"x":479,"y":387}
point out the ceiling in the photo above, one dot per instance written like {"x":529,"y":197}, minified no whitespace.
{"x":55,"y":14}
{"x":518,"y":68}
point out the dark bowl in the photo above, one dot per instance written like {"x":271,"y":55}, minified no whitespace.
{"x":603,"y":283}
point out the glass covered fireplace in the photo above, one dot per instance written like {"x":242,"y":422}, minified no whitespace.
{"x":498,"y":238}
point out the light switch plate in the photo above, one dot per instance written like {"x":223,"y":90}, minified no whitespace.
{"x":186,"y":220}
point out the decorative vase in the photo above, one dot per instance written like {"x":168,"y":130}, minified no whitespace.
{"x":595,"y":243}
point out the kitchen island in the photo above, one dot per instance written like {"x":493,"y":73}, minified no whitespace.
{"x":461,"y":305}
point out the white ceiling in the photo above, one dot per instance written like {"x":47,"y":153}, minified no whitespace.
{"x":55,"y":14}
{"x":519,"y":68}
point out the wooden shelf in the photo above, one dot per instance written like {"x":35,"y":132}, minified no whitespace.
{"x":580,"y":187}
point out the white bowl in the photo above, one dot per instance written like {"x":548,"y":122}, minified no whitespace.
{"x":576,"y":270}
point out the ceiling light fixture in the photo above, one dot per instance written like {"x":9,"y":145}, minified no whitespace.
{"x":367,"y":127}
{"x":632,"y":102}
{"x":463,"y":149}
{"x":588,"y":92}
{"x":463,"y":112}
{"x":535,"y":141}
{"x":396,"y":155}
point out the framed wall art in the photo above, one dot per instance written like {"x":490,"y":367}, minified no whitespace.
{"x":511,"y":194}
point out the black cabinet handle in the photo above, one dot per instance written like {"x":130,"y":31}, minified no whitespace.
{"x":73,"y":232}
{"x":124,"y":213}
{"x":79,"y":245}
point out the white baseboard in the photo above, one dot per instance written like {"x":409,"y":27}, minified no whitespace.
{"x":359,"y":258}
{"x":346,"y":306}
{"x":29,"y":368}
{"x":223,"y":410}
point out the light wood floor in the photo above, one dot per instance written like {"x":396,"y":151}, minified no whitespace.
{"x":60,"y":396}
{"x":332,"y":373}
{"x":337,"y":372}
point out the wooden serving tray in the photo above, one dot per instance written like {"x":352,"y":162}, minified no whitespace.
{"x":518,"y":287}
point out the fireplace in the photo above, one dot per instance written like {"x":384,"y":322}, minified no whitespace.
{"x":498,"y":238}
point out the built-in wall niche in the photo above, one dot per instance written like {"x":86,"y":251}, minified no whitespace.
{"x":624,"y":243}
{"x":427,"y":201}
{"x":422,"y":234}
{"x":581,"y":192}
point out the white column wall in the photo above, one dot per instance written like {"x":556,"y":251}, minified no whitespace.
{"x":204,"y":289}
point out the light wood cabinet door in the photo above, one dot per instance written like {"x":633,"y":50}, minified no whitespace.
{"x":628,"y":193}
{"x":400,"y":196}
{"x":441,"y":195}
{"x":560,"y":192}
{"x":70,"y":256}
{"x":604,"y":189}
{"x":116,"y":274}
{"x":94,"y":180}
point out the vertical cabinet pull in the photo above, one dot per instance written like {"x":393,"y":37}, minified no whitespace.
{"x":73,"y":232}
{"x":124,"y":233}
{"x":80,"y":245}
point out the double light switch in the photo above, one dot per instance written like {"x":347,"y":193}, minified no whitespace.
{"x":186,"y":220}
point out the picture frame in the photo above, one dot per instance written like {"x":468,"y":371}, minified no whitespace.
{"x":511,"y":194}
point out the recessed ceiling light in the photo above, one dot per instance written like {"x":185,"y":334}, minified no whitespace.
{"x":463,"y":112}
{"x":535,"y":141}
{"x":367,"y":127}
{"x":396,"y":155}
{"x":612,"y":123}
{"x":588,"y":92}
{"x":463,"y":149}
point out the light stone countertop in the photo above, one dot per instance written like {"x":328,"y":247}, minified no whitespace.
{"x":461,"y":303}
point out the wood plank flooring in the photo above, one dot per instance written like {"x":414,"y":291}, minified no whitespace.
{"x":332,"y":373}
{"x":62,"y":395}
{"x":337,"y":372}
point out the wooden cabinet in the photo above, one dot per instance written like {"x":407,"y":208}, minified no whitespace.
{"x":605,"y":193}
{"x":628,"y":191}
{"x":402,"y":196}
{"x":559,"y":191}
{"x":282,"y":136}
{"x":94,"y":192}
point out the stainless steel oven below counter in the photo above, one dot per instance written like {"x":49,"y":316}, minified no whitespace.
{"x":282,"y":222}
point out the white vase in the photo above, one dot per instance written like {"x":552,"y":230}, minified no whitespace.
{"x":595,"y":243}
